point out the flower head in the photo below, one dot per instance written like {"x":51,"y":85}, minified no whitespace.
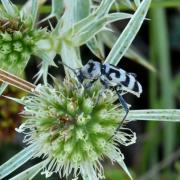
{"x":73,"y":130}
{"x":18,"y":38}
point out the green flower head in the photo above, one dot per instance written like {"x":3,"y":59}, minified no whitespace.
{"x":73,"y":131}
{"x":18,"y":38}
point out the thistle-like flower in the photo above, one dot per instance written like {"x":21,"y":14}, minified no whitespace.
{"x":18,"y":38}
{"x":73,"y":131}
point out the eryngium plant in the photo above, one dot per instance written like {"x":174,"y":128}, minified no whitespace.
{"x":65,"y":124}
{"x":74,"y":131}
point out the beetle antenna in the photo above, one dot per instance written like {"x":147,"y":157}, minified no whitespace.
{"x":67,"y":66}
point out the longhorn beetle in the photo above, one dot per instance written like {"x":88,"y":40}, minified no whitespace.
{"x":111,"y":78}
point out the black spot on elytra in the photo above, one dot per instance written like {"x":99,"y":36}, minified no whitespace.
{"x":126,"y":82}
{"x":111,"y":71}
{"x":91,"y":66}
{"x":136,"y":87}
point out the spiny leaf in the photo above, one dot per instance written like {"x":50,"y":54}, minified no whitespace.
{"x":86,"y":22}
{"x":170,"y":115}
{"x":31,"y":172}
{"x":3,"y":86}
{"x":17,"y":160}
{"x":96,"y":47}
{"x":129,"y":33}
{"x":137,"y":2}
{"x":97,"y":26}
{"x":109,"y":38}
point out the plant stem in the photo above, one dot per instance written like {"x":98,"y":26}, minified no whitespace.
{"x":16,"y":81}
{"x":163,"y":56}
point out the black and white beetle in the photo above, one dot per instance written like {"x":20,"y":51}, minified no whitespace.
{"x":111,"y":78}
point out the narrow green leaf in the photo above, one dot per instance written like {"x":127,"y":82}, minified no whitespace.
{"x":27,"y":7}
{"x":57,"y":8}
{"x":96,"y":47}
{"x":20,"y":101}
{"x":169,"y":115}
{"x":97,"y":26}
{"x":133,"y":54}
{"x":3,"y":87}
{"x":109,"y":38}
{"x":104,"y":8}
{"x":129,"y":33}
{"x":86,"y":22}
{"x":47,"y":61}
{"x":82,"y":9}
{"x":69,"y":54}
{"x":17,"y":160}
{"x":127,"y":3}
{"x":34,"y":11}
{"x":31,"y":172}
{"x":10,"y":8}
{"x":124,"y":167}
{"x":137,"y":2}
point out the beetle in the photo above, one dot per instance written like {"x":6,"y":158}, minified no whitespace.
{"x":110,"y":77}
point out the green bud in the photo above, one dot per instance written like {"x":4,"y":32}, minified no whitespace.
{"x":6,"y":37}
{"x":17,"y":46}
{"x":13,"y":58}
{"x":87,"y":105}
{"x":6,"y":48}
{"x":17,"y":35}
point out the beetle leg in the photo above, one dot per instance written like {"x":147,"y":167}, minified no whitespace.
{"x":89,"y":85}
{"x":126,"y":108}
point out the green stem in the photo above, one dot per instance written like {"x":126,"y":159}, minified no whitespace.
{"x":151,"y":146}
{"x":163,"y":56}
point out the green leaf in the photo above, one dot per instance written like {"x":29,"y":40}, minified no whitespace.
{"x":128,"y":35}
{"x":47,"y":61}
{"x":26,"y":9}
{"x":124,"y":167}
{"x":137,"y":2}
{"x":3,"y":87}
{"x":109,"y":38}
{"x":102,"y":10}
{"x":82,"y":10}
{"x":31,"y":172}
{"x":96,"y":26}
{"x":17,"y":160}
{"x":34,"y":11}
{"x":10,"y":8}
{"x":96,"y":47}
{"x":57,"y":8}
{"x":17,"y":100}
{"x":169,"y":115}
{"x":133,"y":54}
{"x":127,"y":3}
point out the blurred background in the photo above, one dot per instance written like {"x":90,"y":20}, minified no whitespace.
{"x":156,"y":155}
